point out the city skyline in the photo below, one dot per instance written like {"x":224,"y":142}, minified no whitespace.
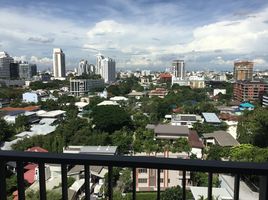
{"x":138,"y":34}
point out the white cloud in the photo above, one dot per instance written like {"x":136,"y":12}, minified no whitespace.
{"x":44,"y":60}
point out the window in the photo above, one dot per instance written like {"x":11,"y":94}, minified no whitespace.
{"x":161,"y":180}
{"x":142,"y":170}
{"x":142,"y":180}
{"x":169,"y":180}
{"x":161,"y":170}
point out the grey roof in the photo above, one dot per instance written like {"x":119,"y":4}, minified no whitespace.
{"x":211,"y":118}
{"x":99,"y":149}
{"x":150,"y":126}
{"x":96,"y":169}
{"x":171,"y":130}
{"x":76,"y":169}
{"x":188,"y":118}
{"x":223,"y":138}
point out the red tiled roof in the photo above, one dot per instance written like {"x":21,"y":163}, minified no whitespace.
{"x":29,"y":176}
{"x":37,"y":149}
{"x":227,"y":116}
{"x":165,"y":75}
{"x":194,"y":140}
{"x":28,"y":108}
{"x":30,"y":166}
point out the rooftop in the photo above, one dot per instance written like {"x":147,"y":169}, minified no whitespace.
{"x":171,"y":130}
{"x":223,"y":138}
{"x":211,"y":118}
{"x":28,"y":108}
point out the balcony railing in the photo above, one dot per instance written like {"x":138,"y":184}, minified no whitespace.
{"x":134,"y":162}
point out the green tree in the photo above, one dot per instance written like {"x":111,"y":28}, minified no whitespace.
{"x":216,"y":152}
{"x":123,"y":139}
{"x":174,"y":193}
{"x":253,"y":127}
{"x":21,"y":123}
{"x":110,"y":118}
{"x":6,"y":130}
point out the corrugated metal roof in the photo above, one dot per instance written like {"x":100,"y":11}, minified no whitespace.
{"x":211,"y":118}
{"x":222,"y":138}
{"x":171,"y":130}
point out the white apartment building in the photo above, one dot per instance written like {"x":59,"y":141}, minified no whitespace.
{"x":85,"y":68}
{"x":81,"y":87}
{"x":265,"y":101}
{"x":147,"y":178}
{"x":58,"y":63}
{"x":106,"y":68}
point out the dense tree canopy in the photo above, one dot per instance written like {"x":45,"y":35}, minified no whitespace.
{"x":110,"y":118}
{"x":253,"y":127}
{"x":6,"y":131}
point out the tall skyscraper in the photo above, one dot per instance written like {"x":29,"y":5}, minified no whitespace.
{"x":27,"y":70}
{"x":98,"y":63}
{"x":178,"y":69}
{"x":243,"y":70}
{"x":106,"y":68}
{"x":58,"y":63}
{"x":5,"y":61}
{"x":85,"y":68}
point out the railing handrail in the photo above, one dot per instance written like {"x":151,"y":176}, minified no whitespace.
{"x":138,"y":162}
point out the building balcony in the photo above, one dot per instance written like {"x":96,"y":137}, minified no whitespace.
{"x":64,"y":160}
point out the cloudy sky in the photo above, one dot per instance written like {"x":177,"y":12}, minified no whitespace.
{"x":207,"y":34}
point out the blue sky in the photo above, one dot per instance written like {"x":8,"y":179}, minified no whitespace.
{"x":207,"y":34}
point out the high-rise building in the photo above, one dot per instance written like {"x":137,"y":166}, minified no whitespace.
{"x":98,"y":63}
{"x":27,"y":70}
{"x":106,"y":68}
{"x":58,"y":63}
{"x":81,"y":87}
{"x":243,"y":71}
{"x":249,"y":90}
{"x":14,"y":70}
{"x":5,"y":61}
{"x":85,"y":68}
{"x":178,"y":69}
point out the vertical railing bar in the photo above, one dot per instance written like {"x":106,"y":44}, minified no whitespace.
{"x":158,"y":184}
{"x":110,"y":184}
{"x":42,"y":181}
{"x":263,"y":193}
{"x":3,"y":193}
{"x":20,"y":180}
{"x":184,"y":185}
{"x":87,"y":179}
{"x":64,"y":181}
{"x":236,"y":186}
{"x":210,"y":176}
{"x":134,"y":184}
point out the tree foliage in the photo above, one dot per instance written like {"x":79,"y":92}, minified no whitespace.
{"x":253,"y":127}
{"x":6,"y":130}
{"x":110,"y":118}
{"x":174,"y":193}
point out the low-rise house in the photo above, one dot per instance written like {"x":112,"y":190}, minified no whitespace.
{"x":108,"y":103}
{"x":221,"y":138}
{"x":136,"y":95}
{"x":166,"y":131}
{"x":196,"y":144}
{"x":211,"y":118}
{"x":100,"y":150}
{"x":185,"y":120}
{"x":11,"y":116}
{"x":118,"y":98}
{"x":58,"y":114}
{"x":147,"y":178}
{"x":81,"y":105}
{"x":246,"y":106}
{"x":158,"y":92}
